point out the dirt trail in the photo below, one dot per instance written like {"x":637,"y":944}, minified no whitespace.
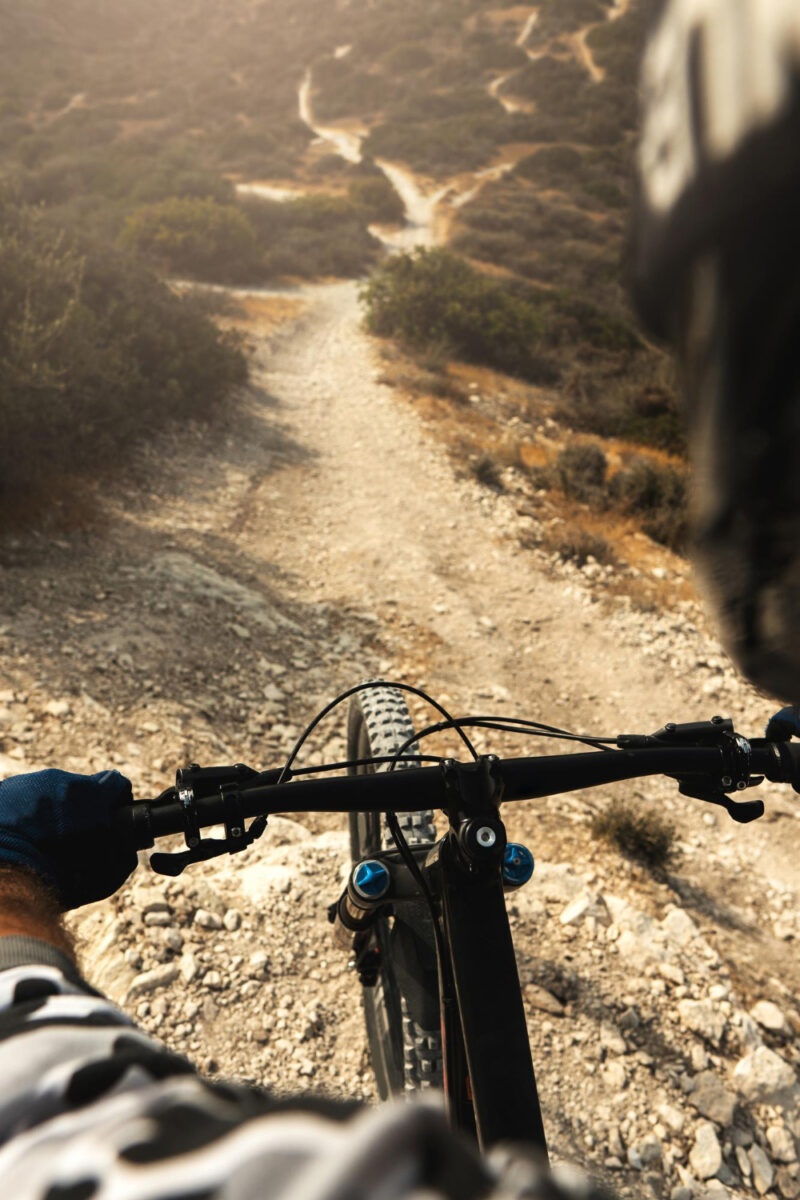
{"x":243,"y":578}
{"x":379,"y":518}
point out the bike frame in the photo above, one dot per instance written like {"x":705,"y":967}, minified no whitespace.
{"x":490,"y":1082}
{"x":489,"y":1077}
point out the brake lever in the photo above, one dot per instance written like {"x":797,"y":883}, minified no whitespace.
{"x":176,"y":863}
{"x":743,"y":811}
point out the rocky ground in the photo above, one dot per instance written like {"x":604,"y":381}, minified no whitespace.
{"x":320,"y":536}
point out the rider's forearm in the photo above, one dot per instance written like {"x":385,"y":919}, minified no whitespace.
{"x":28,"y":908}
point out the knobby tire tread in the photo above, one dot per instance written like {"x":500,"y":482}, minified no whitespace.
{"x":379,"y":723}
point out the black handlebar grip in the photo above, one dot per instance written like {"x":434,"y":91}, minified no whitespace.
{"x":789,"y":755}
{"x":133,"y":826}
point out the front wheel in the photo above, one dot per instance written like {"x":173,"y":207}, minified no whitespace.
{"x":402,"y":1008}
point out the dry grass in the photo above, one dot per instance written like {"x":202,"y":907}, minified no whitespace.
{"x":262,"y":316}
{"x":508,"y":427}
{"x":637,"y":833}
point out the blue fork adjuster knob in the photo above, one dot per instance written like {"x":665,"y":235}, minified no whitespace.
{"x":370,"y":879}
{"x":517,"y":864}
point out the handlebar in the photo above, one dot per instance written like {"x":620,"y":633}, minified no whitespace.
{"x":699,"y":770}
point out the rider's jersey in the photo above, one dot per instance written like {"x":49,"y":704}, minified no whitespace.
{"x":90,"y":1107}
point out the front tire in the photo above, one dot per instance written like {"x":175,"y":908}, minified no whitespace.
{"x":402,"y":1009}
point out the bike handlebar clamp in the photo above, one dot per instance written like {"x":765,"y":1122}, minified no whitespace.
{"x":231,"y":796}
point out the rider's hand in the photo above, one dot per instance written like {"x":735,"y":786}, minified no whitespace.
{"x":60,"y":826}
{"x":784,"y":725}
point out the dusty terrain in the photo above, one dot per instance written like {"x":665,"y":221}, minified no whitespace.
{"x":247,"y":573}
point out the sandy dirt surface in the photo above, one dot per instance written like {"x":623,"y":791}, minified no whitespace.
{"x":320,"y":536}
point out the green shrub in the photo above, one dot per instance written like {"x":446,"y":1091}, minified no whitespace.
{"x":571,"y":317}
{"x":312,"y":236}
{"x":441,"y":147}
{"x":95,"y":354}
{"x":432,"y":296}
{"x":581,"y":469}
{"x":408,"y":56}
{"x":656,"y":494}
{"x":491,"y":53}
{"x":637,"y":833}
{"x":197,"y":238}
{"x":567,"y":16}
{"x":377,"y":198}
{"x":578,"y":546}
{"x":551,"y":162}
{"x":484,"y":468}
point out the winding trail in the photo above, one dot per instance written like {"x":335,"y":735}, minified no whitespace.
{"x":379,"y":520}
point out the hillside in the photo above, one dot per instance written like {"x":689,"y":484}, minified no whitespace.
{"x":258,"y":146}
{"x":476,"y":494}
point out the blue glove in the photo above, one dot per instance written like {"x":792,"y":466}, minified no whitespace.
{"x":784,"y":724}
{"x":60,"y":826}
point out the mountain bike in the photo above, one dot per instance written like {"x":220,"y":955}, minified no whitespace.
{"x":424,"y":915}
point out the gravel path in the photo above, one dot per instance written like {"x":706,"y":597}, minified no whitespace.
{"x":322,"y":536}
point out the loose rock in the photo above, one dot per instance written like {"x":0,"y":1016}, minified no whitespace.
{"x":706,"y":1154}
{"x":149,"y":981}
{"x":207,"y":920}
{"x":704,"y":1018}
{"x":711,"y":1098}
{"x":764,"y":1077}
{"x":769,"y":1016}
{"x":763,"y":1171}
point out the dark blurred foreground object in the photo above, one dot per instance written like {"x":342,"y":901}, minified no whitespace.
{"x":717,"y":273}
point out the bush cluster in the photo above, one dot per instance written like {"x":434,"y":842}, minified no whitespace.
{"x":637,"y":833}
{"x":315,"y":235}
{"x":195,"y":238}
{"x":257,"y":239}
{"x":433,"y":297}
{"x":656,"y":494}
{"x":95,"y":353}
{"x":653,"y":492}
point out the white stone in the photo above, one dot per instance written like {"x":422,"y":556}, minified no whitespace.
{"x":257,"y":964}
{"x":260,"y":880}
{"x":282,"y":831}
{"x":539,"y":997}
{"x":679,"y":927}
{"x":188,"y":967}
{"x":232,"y":920}
{"x":769,"y":1016}
{"x":158,"y":918}
{"x":703,"y":1017}
{"x":712,"y":1099}
{"x":764,"y":1077}
{"x":611,"y":1039}
{"x":749,"y":1032}
{"x":586,"y":905}
{"x":706,"y":1154}
{"x":782,"y":1144}
{"x":639,"y":949}
{"x":149,"y":981}
{"x":57,"y":708}
{"x":207,"y":920}
{"x":614,"y":1075}
{"x":672,"y":1117}
{"x":672,"y":972}
{"x":763,"y":1171}
{"x":557,"y":882}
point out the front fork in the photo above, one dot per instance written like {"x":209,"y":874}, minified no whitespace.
{"x":489,"y":1077}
